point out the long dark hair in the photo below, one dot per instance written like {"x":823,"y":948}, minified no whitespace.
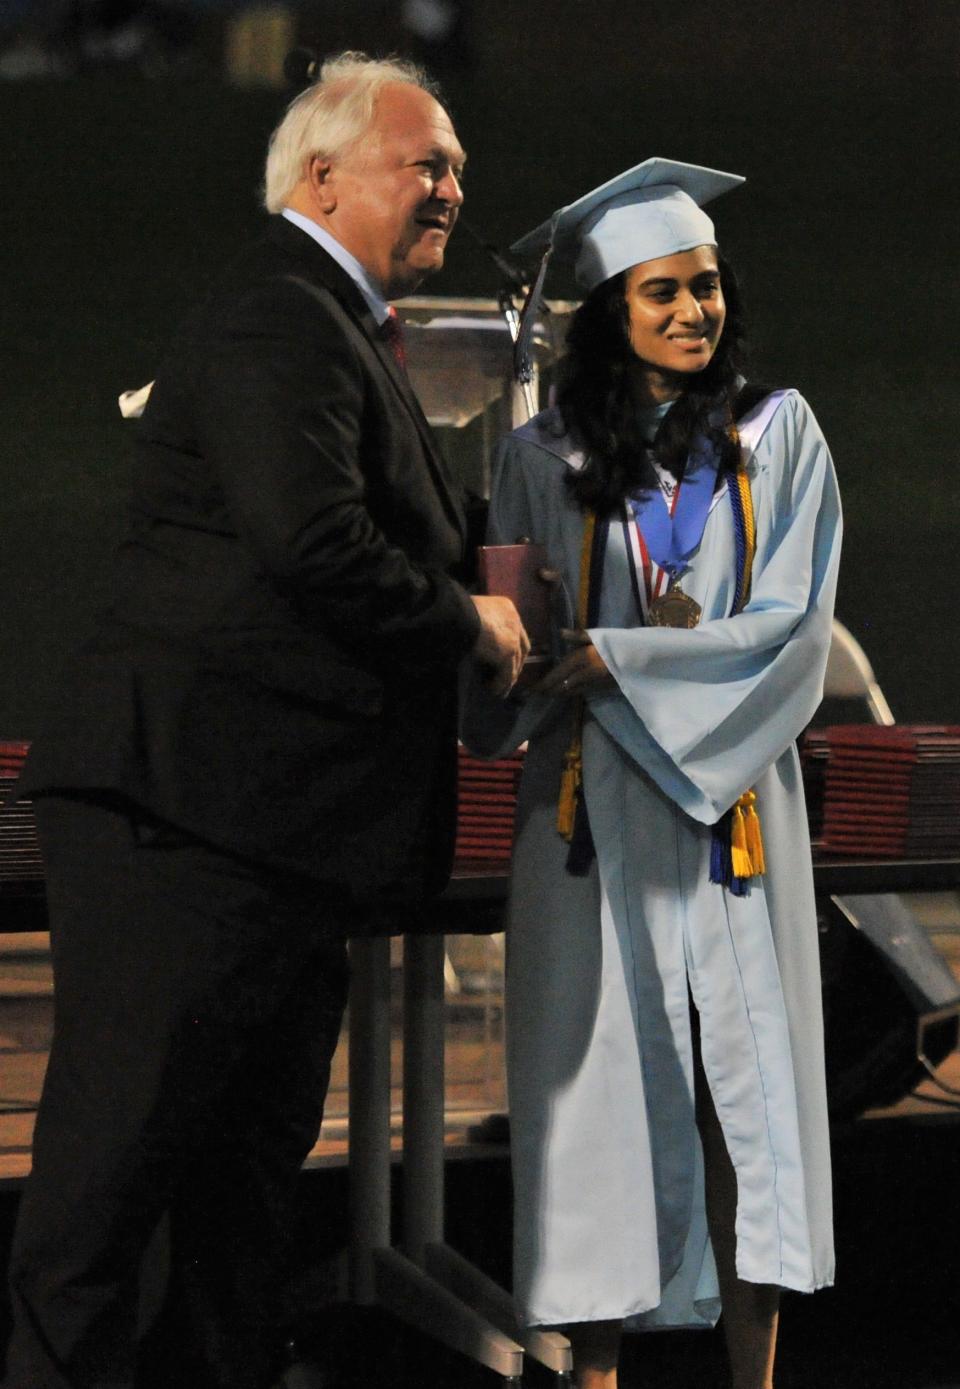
{"x":596,"y":404}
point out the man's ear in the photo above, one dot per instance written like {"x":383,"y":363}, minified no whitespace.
{"x":321,"y":181}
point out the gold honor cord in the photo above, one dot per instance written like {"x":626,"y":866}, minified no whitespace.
{"x":572,"y":779}
{"x":747,"y":858}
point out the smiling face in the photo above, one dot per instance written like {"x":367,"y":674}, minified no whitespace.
{"x":392,"y":200}
{"x":676,"y":316}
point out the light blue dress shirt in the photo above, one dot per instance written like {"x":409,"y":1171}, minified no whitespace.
{"x":375,"y":300}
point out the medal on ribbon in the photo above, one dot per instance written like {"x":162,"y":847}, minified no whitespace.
{"x":670,"y":536}
{"x":674,"y":609}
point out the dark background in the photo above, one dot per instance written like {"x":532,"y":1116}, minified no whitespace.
{"x":122,"y":193}
{"x":124,"y":184}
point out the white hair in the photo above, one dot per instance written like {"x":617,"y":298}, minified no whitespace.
{"x":331,"y":116}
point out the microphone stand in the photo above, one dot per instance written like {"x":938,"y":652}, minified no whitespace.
{"x":516,"y":286}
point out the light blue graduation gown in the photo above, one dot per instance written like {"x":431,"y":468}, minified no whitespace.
{"x":608,"y":1168}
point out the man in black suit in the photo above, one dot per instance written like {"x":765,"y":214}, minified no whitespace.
{"x":258,"y":748}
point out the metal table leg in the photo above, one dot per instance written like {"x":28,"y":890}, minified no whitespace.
{"x":423,"y":1129}
{"x":423,"y":1095}
{"x":379,"y":1273}
{"x":369,"y":1100}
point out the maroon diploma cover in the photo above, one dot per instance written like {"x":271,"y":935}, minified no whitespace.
{"x":512,"y":571}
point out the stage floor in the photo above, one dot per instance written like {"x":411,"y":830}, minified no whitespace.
{"x":891,"y":1323}
{"x":474,"y":1046}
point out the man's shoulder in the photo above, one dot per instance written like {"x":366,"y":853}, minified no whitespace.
{"x":273,"y":283}
{"x":276,"y":263}
{"x":277,"y":297}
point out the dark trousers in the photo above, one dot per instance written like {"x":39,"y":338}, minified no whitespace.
{"x":197,"y":1003}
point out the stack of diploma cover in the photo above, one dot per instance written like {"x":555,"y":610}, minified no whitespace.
{"x":885,"y":792}
{"x":20,"y":860}
{"x":486,"y":806}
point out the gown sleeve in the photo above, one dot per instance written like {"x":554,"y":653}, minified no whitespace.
{"x":704,"y":712}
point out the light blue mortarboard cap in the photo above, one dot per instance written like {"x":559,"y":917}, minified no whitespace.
{"x":651,"y":210}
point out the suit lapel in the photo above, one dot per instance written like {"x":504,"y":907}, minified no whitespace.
{"x":323,"y":269}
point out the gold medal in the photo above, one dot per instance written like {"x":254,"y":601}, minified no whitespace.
{"x":674,"y":609}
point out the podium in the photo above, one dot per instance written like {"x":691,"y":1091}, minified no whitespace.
{"x":460,"y":363}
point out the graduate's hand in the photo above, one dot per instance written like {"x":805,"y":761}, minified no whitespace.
{"x":502,"y":645}
{"x":582,"y":671}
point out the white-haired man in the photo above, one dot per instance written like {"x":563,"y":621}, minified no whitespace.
{"x":257,"y":747}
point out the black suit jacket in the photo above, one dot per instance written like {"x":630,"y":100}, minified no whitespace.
{"x":277,"y":674}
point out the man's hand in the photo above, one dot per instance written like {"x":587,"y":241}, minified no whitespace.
{"x":502,"y":645}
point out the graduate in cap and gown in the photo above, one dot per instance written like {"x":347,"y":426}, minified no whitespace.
{"x":664,"y":1030}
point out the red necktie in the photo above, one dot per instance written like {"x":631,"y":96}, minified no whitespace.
{"x":392,"y":334}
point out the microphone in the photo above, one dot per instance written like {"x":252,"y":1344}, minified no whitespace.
{"x":514,"y":277}
{"x":301,"y":67}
